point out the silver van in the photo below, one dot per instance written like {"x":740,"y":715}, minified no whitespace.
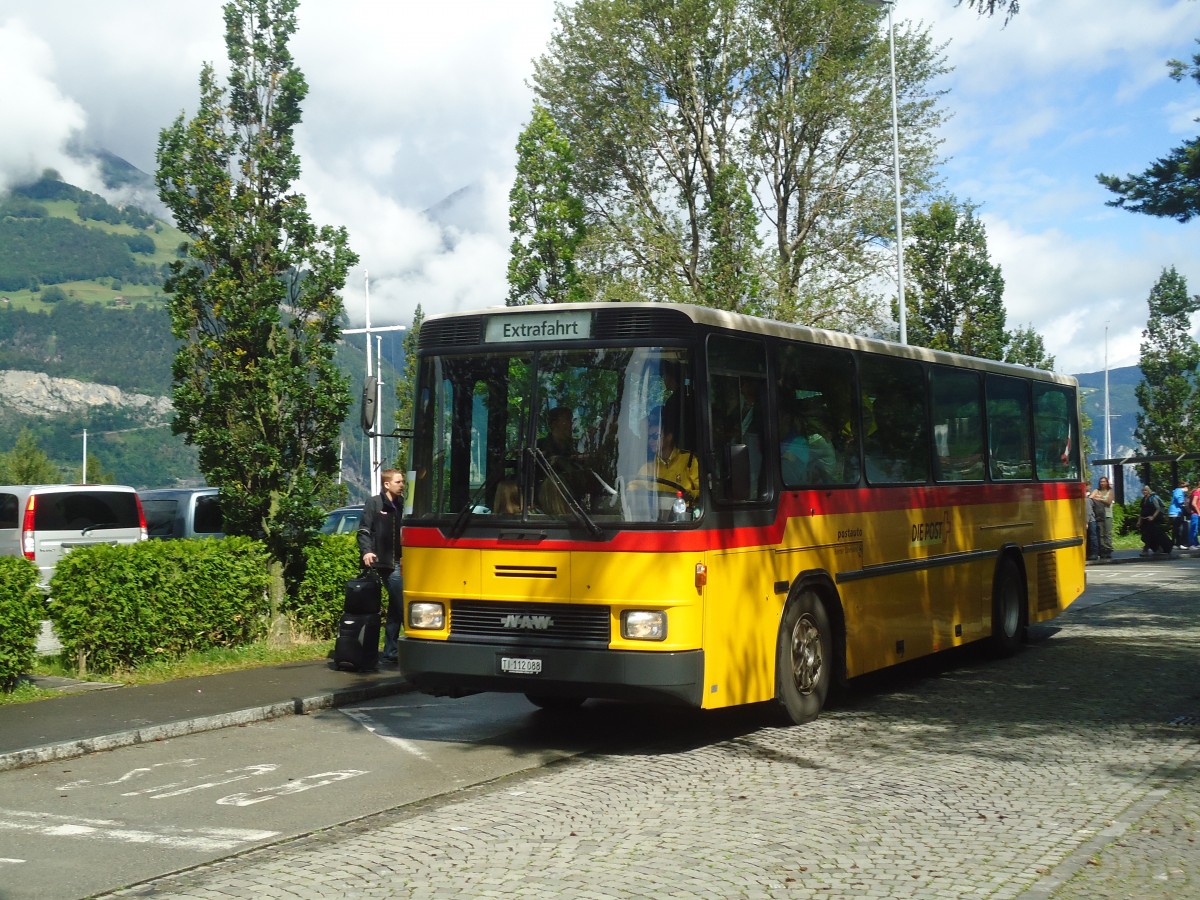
{"x":44,"y":521}
{"x":183,"y":513}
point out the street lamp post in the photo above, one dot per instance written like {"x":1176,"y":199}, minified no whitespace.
{"x":890,"y":4}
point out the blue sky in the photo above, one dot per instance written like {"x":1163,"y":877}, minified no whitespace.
{"x":412,"y":101}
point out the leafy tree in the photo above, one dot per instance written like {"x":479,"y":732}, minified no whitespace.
{"x":406,"y":384}
{"x":545,"y":217}
{"x":1168,"y":420}
{"x":957,"y":298}
{"x":255,"y":302}
{"x":1026,"y":348}
{"x":28,"y":463}
{"x":679,"y":112}
{"x":990,"y":7}
{"x":1170,"y":187}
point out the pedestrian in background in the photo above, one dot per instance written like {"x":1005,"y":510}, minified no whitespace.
{"x":1152,"y":524}
{"x":379,"y":544}
{"x":1093,"y":540}
{"x":1179,"y":499}
{"x":1194,"y":531}
{"x":1101,"y":498}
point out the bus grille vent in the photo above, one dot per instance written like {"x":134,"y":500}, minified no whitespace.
{"x":467,"y":331}
{"x":1047,"y":582}
{"x":657,"y":325}
{"x":530,"y":623}
{"x":526,"y":572}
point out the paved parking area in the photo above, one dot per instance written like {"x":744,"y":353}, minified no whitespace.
{"x":1067,"y":771}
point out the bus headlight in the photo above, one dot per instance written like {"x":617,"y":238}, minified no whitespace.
{"x":429,"y":616}
{"x":644,"y":625}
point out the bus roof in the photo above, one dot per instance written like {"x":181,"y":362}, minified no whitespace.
{"x":718,"y":318}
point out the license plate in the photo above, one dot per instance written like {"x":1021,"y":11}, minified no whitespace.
{"x":520,"y":666}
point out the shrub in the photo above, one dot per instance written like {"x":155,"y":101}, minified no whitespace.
{"x":330,"y":561}
{"x":114,"y":606}
{"x":21,"y":610}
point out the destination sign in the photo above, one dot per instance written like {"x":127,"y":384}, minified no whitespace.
{"x":542,"y":326}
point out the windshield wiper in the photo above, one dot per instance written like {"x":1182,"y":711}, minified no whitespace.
{"x":572,"y":504}
{"x":464,"y":515}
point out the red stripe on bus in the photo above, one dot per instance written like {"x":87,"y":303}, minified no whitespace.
{"x":792,"y":504}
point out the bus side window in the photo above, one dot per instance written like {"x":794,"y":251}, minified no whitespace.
{"x":818,"y":434}
{"x":1008,"y":410}
{"x":1054,"y":432}
{"x":957,"y":424}
{"x":895,"y":440}
{"x":739,"y":417}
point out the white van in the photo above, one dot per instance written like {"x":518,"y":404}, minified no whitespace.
{"x":44,"y":521}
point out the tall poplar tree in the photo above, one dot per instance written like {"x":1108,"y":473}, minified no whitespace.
{"x":406,"y":384}
{"x":1168,"y":418}
{"x":545,"y":217}
{"x":255,"y":299}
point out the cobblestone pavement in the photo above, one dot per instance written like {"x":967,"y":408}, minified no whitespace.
{"x":1071,"y":770}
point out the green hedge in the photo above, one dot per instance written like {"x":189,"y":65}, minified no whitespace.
{"x":330,"y":561}
{"x":22,"y":607}
{"x":115,"y":606}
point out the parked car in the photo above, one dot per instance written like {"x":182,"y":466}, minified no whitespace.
{"x":42,"y":522}
{"x":343,"y":520}
{"x":183,"y":513}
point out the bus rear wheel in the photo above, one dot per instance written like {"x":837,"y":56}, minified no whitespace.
{"x":1008,"y":607}
{"x":555,"y":704}
{"x":804,"y":658}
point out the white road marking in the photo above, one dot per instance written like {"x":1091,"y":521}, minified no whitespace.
{"x":131,"y":774}
{"x":4,"y":861}
{"x":368,"y":723}
{"x":205,"y":839}
{"x":162,"y":791}
{"x":297,"y":786}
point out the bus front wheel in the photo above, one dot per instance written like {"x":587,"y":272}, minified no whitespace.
{"x":1008,"y":607}
{"x":804,"y":663}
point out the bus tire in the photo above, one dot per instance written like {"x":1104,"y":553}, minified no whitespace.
{"x":804,"y":658}
{"x":1008,"y":608}
{"x":555,"y":704}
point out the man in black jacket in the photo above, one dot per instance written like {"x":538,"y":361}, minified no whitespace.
{"x":379,"y":544}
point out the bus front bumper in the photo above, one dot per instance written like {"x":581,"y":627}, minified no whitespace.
{"x":447,"y":668}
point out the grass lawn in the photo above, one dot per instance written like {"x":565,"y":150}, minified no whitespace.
{"x":208,"y":662}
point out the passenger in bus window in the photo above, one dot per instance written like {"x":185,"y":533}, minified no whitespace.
{"x":508,"y":498}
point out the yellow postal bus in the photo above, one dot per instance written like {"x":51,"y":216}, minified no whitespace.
{"x":654,"y":501}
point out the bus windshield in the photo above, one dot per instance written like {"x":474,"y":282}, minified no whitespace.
{"x":600,"y":437}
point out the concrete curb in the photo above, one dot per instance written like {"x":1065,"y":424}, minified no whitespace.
{"x":297,"y":706}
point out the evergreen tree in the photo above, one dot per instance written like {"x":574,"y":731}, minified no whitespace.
{"x":1170,"y":187}
{"x":255,"y":300}
{"x":1168,"y":421}
{"x":28,"y":463}
{"x":545,"y":217}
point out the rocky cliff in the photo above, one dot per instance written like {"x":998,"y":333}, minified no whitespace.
{"x":38,"y":394}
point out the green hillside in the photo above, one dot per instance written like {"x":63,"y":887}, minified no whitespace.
{"x":59,"y":242}
{"x":81,"y":297}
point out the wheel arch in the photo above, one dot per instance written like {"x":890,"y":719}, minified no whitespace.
{"x":820,"y":582}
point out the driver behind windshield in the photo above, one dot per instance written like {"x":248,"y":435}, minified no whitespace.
{"x":669,"y":469}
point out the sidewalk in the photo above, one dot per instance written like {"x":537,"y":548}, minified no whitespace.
{"x":101,"y":717}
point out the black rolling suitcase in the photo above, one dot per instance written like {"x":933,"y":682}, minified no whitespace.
{"x":357,"y":644}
